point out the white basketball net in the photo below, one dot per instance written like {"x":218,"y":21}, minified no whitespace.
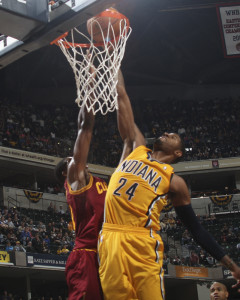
{"x":96,"y":91}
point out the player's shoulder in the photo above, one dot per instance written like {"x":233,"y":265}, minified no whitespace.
{"x":98,"y":179}
{"x":176,"y":179}
{"x":177,"y":183}
{"x":142,"y":149}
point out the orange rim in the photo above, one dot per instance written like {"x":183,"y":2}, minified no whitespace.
{"x":68,"y":44}
{"x":59,"y":38}
{"x":106,"y":13}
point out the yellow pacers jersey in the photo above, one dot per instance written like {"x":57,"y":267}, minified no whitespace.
{"x":137,"y":190}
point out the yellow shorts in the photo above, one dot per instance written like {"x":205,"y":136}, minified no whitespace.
{"x":130,"y":263}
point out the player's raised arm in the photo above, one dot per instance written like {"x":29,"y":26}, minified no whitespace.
{"x":130,"y":133}
{"x":77,"y":166}
{"x":182,"y":204}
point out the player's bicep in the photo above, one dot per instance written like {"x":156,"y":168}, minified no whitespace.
{"x":129,"y":146}
{"x":125,"y":118}
{"x":139,"y":138}
{"x":179,"y":191}
{"x":126,"y":125}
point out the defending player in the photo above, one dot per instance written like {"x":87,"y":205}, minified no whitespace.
{"x":85,"y":196}
{"x":130,"y":250}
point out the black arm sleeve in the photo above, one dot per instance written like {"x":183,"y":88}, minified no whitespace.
{"x":200,"y":235}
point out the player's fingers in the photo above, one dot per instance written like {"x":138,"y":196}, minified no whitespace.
{"x":88,"y":54}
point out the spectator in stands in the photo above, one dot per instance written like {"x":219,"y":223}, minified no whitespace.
{"x":21,"y":227}
{"x":19,"y":247}
{"x":11,"y":236}
{"x":194,"y":259}
{"x":31,"y":226}
{"x":218,"y":291}
{"x":16,"y":221}
{"x":45,"y":247}
{"x":64,"y":250}
{"x":204,"y":141}
{"x":50,"y":208}
{"x":37,"y":243}
{"x":4,"y":211}
{"x":58,"y":239}
{"x":166,"y":260}
{"x":10,"y":223}
{"x":61,"y":210}
{"x":46,"y":239}
{"x":41,"y":227}
{"x":3,"y":222}
{"x":29,"y":247}
{"x":186,"y":238}
{"x":2,"y":238}
{"x":176,"y":260}
{"x":9,"y":246}
{"x":163,"y":226}
{"x":59,"y":250}
{"x":203,"y":258}
{"x":210,"y":260}
{"x":25,"y":236}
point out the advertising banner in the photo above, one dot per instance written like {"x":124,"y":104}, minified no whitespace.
{"x":185,"y":271}
{"x":4,"y":257}
{"x":46,"y":260}
{"x":28,"y":156}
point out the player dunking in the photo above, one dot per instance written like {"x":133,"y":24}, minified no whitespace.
{"x":130,"y":250}
{"x":85,"y":196}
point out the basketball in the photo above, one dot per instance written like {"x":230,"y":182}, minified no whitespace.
{"x":99,"y":29}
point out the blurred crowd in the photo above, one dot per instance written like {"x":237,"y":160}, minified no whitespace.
{"x":208,"y":128}
{"x":225,"y":229}
{"x":49,"y":232}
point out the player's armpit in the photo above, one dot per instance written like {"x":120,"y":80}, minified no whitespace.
{"x":139,"y":138}
{"x":179,"y":191}
{"x":126,"y":151}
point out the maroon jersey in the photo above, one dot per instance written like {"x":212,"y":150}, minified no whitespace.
{"x":86,"y":207}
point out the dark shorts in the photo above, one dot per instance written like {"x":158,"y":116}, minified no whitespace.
{"x":82,"y":276}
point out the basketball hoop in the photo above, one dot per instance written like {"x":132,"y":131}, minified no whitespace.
{"x":98,"y":92}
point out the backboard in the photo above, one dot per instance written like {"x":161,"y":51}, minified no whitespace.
{"x":27,"y":25}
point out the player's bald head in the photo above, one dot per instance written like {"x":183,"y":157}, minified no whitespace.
{"x":218,"y":291}
{"x":220,"y":284}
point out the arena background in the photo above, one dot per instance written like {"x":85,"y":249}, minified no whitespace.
{"x":176,"y":51}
